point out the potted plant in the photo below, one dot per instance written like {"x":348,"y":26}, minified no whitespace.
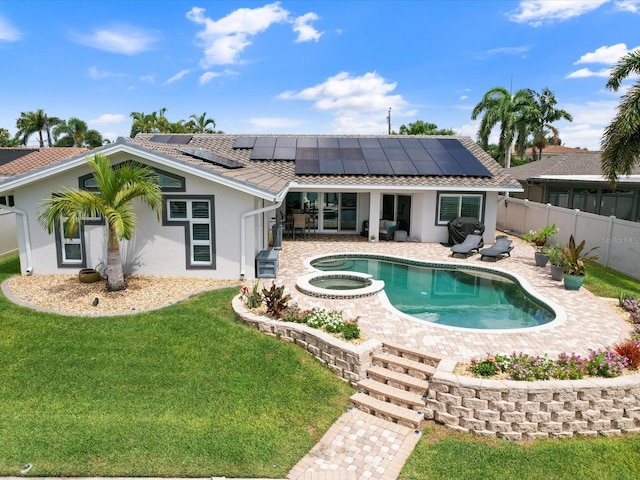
{"x":574,"y":270}
{"x":557,"y":255}
{"x":538,"y":238}
{"x":372,"y":239}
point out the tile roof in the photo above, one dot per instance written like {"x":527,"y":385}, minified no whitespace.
{"x":23,"y":160}
{"x":274,"y":176}
{"x":556,"y":150}
{"x":576,"y":164}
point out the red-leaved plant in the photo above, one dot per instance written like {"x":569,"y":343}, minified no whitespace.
{"x":630,"y":349}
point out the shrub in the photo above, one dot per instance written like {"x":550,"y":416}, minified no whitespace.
{"x":293,"y":313}
{"x":569,"y":367}
{"x":489,"y":366}
{"x":276,"y":300}
{"x":606,"y":363}
{"x":254,"y":297}
{"x":629,"y":349}
{"x":350,"y":330}
{"x":528,"y":367}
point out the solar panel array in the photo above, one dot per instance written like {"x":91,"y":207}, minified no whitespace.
{"x":180,"y":139}
{"x":404,"y":155}
{"x":210,"y":157}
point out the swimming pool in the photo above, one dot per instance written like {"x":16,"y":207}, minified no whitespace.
{"x":453,"y":295}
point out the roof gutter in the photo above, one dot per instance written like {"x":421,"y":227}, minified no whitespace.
{"x":27,"y":238}
{"x":243,"y":231}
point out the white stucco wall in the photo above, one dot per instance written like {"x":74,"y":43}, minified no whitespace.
{"x":155,"y":249}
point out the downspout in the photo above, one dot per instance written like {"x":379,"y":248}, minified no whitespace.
{"x":27,"y":238}
{"x":243,"y":231}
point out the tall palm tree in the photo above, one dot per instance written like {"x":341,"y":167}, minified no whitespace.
{"x":35,"y":122}
{"x":621,"y":139}
{"x":544,"y":115}
{"x":116,"y":188}
{"x":200,"y":123}
{"x":511,"y":112}
{"x":76,"y":133}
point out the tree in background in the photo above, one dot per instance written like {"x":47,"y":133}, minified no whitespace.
{"x":35,"y":122}
{"x":621,"y":139}
{"x":157,"y":122}
{"x":6,"y":140}
{"x":116,"y":188}
{"x":423,"y":128}
{"x":543,"y":116}
{"x":200,"y":123}
{"x":76,"y":133}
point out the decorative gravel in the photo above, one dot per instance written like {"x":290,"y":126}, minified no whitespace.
{"x":65,"y":294}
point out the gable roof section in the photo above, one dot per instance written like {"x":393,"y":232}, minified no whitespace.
{"x":585,"y":165}
{"x":15,"y":161}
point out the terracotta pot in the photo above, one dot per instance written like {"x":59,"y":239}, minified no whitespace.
{"x":88,"y":275}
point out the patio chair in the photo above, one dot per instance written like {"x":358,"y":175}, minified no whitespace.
{"x":501,"y":247}
{"x":299,"y":223}
{"x":471,"y":242}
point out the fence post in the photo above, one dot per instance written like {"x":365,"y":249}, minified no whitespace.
{"x":524,"y":216}
{"x":609,"y":238}
{"x":575,"y":221}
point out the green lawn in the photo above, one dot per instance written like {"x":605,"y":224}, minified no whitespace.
{"x":183,"y":391}
{"x":443,"y":455}
{"x":605,"y":282}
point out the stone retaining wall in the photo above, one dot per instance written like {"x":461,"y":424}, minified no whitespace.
{"x":516,"y":410}
{"x":347,"y":360}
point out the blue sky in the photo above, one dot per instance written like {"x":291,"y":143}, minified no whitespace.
{"x":320,"y":67}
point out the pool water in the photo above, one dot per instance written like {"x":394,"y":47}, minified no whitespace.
{"x":456,"y":297}
{"x":340,"y":283}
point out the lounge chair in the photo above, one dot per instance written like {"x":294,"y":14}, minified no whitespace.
{"x":471,"y":242}
{"x":501,"y":247}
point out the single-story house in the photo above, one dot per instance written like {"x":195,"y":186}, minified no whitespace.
{"x":575,"y":180}
{"x":224,"y":192}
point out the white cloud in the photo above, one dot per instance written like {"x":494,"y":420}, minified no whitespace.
{"x":107,"y":119}
{"x":123,"y":39}
{"x":177,"y":76}
{"x":305,"y":31}
{"x":147,"y":78}
{"x":97,"y":74}
{"x":539,"y":12}
{"x":582,"y":135}
{"x":607,"y":55}
{"x":206,"y":77}
{"x":225,"y":39}
{"x":8,"y":32}
{"x":464,"y":97}
{"x":631,"y":6}
{"x":360,"y":103}
{"x":585,"y":73}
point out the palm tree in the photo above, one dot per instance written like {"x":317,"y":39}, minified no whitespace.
{"x":621,"y":139}
{"x":543,"y":115}
{"x":35,"y":122}
{"x":511,"y":112}
{"x":424,"y":128}
{"x":200,"y":123}
{"x":76,"y":133}
{"x":6,"y":140}
{"x":116,"y":188}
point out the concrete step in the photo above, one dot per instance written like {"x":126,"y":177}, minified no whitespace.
{"x":403,"y":365}
{"x":387,"y":393}
{"x":411,"y":353}
{"x":398,"y":380}
{"x":393,"y":413}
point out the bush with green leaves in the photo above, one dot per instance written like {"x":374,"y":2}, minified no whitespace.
{"x":275,"y":299}
{"x":253,"y":297}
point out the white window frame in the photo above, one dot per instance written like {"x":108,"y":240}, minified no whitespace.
{"x":188,"y":222}
{"x":459,"y":213}
{"x":64,"y":241}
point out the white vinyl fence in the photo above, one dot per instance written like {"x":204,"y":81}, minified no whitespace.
{"x":8,"y":238}
{"x":618,"y":241}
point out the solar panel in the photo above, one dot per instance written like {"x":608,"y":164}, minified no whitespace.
{"x":262,"y":153}
{"x":390,"y":143}
{"x":180,"y":139}
{"x":374,"y":154}
{"x":211,"y":157}
{"x":307,"y":142}
{"x":324,"y":142}
{"x":369,"y":143}
{"x":423,"y":162}
{"x":307,"y":161}
{"x":284,"y":153}
{"x":286,"y":142}
{"x":348,"y":143}
{"x":379,"y":167}
{"x":403,"y":167}
{"x":465,"y":158}
{"x":353,"y":161}
{"x":445,"y":161}
{"x":265,"y":142}
{"x":330,"y":160}
{"x":160,"y":138}
{"x":408,"y":142}
{"x":244,"y":142}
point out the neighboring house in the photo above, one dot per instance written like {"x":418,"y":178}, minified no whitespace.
{"x":552,"y":151}
{"x":575,"y":181}
{"x":223,"y":192}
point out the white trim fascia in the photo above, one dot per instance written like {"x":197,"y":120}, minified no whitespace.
{"x":386,"y":188}
{"x":111,"y":149}
{"x":587,"y":178}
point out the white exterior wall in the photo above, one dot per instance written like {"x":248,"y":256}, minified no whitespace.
{"x":155,"y":249}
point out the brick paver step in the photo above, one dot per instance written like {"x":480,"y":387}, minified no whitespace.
{"x":411,"y":353}
{"x":410,"y":367}
{"x":390,"y":377}
{"x":385,"y":392}
{"x":388,"y":411}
